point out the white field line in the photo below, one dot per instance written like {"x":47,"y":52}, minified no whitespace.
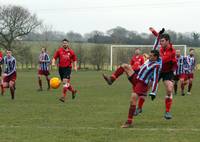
{"x":104,"y":128}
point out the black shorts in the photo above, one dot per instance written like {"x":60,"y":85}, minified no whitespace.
{"x":65,"y":72}
{"x":167,"y":76}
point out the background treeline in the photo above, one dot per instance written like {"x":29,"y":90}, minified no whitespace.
{"x":118,"y":35}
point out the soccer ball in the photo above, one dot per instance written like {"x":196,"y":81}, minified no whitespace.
{"x":55,"y":82}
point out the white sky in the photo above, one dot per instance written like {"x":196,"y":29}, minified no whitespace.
{"x":84,"y":16}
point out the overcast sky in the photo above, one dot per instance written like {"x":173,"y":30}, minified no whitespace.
{"x":84,"y":16}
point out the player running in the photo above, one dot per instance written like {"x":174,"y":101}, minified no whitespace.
{"x":66,"y":57}
{"x":179,"y":71}
{"x":44,"y":62}
{"x":9,"y":75}
{"x":149,"y":71}
{"x":169,"y":65}
{"x":188,"y":68}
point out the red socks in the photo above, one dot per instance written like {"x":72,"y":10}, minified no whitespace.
{"x":168,"y":103}
{"x":118,"y":72}
{"x":131,"y":112}
{"x":64,"y":91}
{"x":141,"y":102}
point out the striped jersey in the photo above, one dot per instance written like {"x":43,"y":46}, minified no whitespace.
{"x":9,"y":65}
{"x":189,"y":64}
{"x":150,"y":71}
{"x":44,"y":61}
{"x":179,"y":69}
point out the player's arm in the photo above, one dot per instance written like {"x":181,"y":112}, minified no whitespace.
{"x":74,"y":59}
{"x":155,"y":82}
{"x":56,"y":55}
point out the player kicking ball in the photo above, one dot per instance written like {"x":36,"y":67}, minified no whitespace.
{"x":9,"y":75}
{"x":149,"y":72}
{"x":66,"y":58}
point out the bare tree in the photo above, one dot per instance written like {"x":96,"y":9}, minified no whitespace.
{"x":15,"y":22}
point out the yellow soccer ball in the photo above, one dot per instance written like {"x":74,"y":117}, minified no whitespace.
{"x":55,"y":82}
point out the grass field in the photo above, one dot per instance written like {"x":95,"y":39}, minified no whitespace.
{"x":95,"y":115}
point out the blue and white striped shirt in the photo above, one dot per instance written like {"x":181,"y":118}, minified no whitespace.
{"x":189,"y":64}
{"x":179,"y":70}
{"x":150,"y":71}
{"x":44,"y":62}
{"x":9,"y":65}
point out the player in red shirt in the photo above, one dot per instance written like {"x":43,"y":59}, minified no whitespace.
{"x":66,"y":58}
{"x":169,"y":65}
{"x":168,"y":55}
{"x":137,"y":60}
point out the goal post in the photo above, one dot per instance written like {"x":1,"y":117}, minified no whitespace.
{"x":113,"y":46}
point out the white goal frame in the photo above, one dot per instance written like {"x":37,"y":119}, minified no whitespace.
{"x":137,"y":46}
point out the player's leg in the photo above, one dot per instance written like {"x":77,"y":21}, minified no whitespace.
{"x":190,"y":84}
{"x":12,"y":89}
{"x":141,"y":100}
{"x":120,"y":70}
{"x":182,"y":81}
{"x":3,"y":86}
{"x":132,"y":108}
{"x":169,"y":86}
{"x":176,"y":79}
{"x":40,"y":80}
{"x":48,"y":81}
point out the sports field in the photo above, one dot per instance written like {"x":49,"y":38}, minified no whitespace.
{"x":95,"y":115}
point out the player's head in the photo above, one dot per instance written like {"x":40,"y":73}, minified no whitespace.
{"x":65,"y":43}
{"x":191,"y":51}
{"x":178,"y":52}
{"x":8,"y":53}
{"x":146,"y":56}
{"x":164,"y":40}
{"x":154,"y":55}
{"x":137,"y":51}
{"x":43,"y":49}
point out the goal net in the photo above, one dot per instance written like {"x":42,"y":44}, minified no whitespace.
{"x":123,"y":53}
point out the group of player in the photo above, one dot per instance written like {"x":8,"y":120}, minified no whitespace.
{"x":144,"y":72}
{"x":166,"y":64}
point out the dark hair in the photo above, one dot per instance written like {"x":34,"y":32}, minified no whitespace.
{"x":65,"y":40}
{"x":155,"y":53}
{"x":165,"y":36}
{"x":191,"y":49}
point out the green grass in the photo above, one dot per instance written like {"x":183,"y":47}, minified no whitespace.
{"x":95,"y":115}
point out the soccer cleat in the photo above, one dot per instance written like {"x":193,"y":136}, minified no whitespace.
{"x":12,"y":97}
{"x":183,"y":94}
{"x":188,"y":93}
{"x":108,"y":79}
{"x":62,"y":99}
{"x":74,"y":94}
{"x":168,"y":115}
{"x":137,"y":111}
{"x":127,"y":124}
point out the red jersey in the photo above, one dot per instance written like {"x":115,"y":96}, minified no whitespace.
{"x":168,"y":56}
{"x":136,"y":62}
{"x":66,"y":57}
